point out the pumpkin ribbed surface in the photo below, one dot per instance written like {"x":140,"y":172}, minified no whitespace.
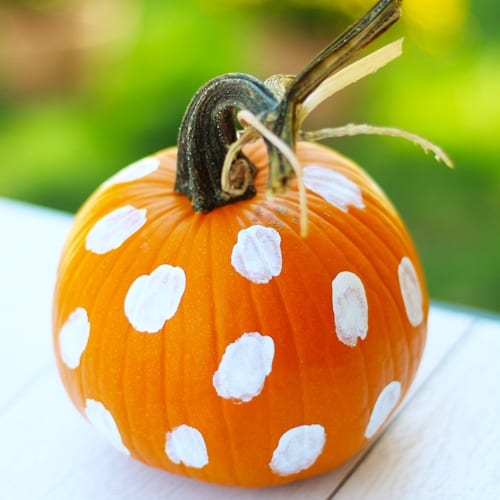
{"x":224,"y":346}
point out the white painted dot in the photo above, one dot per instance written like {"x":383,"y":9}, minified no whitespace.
{"x":411,"y":291}
{"x":135,"y":171}
{"x":100,"y":417}
{"x":244,"y":367}
{"x":153,"y":299}
{"x":186,"y":444}
{"x":334,"y":187}
{"x":73,"y":337}
{"x":257,"y":254}
{"x":385,"y":403}
{"x":298,"y":449}
{"x":114,"y":229}
{"x":350,"y":308}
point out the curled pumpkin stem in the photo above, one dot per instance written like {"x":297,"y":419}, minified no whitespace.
{"x":363,"y":129}
{"x":212,"y":169}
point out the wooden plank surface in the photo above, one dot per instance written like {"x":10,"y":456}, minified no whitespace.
{"x":448,"y":438}
{"x":49,"y":452}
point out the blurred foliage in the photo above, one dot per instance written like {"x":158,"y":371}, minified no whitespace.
{"x":87,"y":86}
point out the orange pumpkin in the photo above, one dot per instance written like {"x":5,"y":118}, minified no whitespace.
{"x":220,"y":344}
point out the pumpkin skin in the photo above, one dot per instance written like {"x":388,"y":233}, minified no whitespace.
{"x":258,"y":372}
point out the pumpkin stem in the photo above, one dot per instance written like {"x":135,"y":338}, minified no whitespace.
{"x":207,"y":131}
{"x":211,"y":168}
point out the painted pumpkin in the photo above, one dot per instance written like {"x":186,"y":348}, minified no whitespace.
{"x":219,"y":343}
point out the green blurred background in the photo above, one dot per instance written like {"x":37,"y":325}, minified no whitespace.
{"x":89,"y":86}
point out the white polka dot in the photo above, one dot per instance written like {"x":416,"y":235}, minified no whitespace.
{"x":298,"y":449}
{"x":153,"y":299}
{"x":103,"y":421}
{"x":386,"y":401}
{"x":350,"y":308}
{"x":114,"y":228}
{"x":73,"y":337}
{"x":186,"y":444}
{"x":333,"y":187}
{"x":134,"y":171}
{"x":244,"y":367}
{"x":257,"y":254}
{"x":411,"y":291}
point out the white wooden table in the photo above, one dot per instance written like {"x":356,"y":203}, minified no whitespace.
{"x":444,"y":443}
